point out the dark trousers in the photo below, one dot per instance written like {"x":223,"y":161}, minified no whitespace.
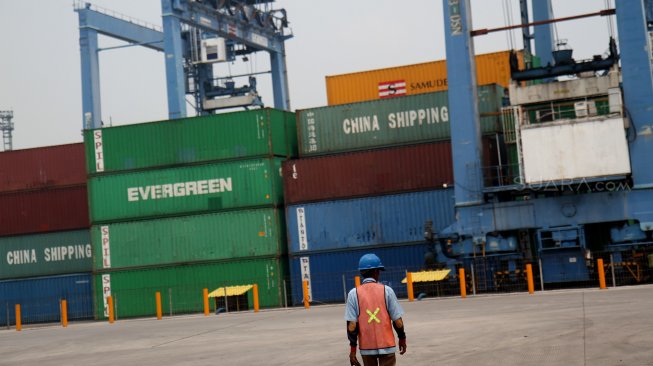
{"x":380,"y":360}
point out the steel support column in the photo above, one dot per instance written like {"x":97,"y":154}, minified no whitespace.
{"x":91,"y":106}
{"x":637,"y":76}
{"x":463,"y":104}
{"x":543,"y":34}
{"x":173,"y":48}
{"x":280,"y":79}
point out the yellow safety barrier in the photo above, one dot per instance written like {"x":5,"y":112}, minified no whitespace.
{"x":529,"y":276}
{"x":205,"y":294}
{"x":307,"y":304}
{"x":255,"y":296}
{"x":19,"y":322}
{"x":463,"y":286}
{"x":159,"y":312}
{"x":110,"y":305}
{"x":409,"y":286}
{"x":599,"y":263}
{"x":64,"y":313}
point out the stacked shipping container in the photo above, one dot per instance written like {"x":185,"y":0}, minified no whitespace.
{"x":370,"y":175}
{"x":45,"y":243}
{"x":182,"y":205}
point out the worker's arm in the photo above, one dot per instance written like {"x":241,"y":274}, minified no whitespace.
{"x":352,"y":334}
{"x":401,"y":333}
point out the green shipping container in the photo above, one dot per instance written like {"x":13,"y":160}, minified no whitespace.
{"x":256,"y":133}
{"x":186,"y":190}
{"x":388,"y":122}
{"x":181,"y":287}
{"x":45,"y":254}
{"x":187,"y":239}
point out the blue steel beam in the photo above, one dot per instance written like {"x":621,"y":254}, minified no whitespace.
{"x":92,"y":23}
{"x":198,"y":15}
{"x":280,"y":80}
{"x":174,"y":52}
{"x":543,"y":34}
{"x":463,"y":103}
{"x":121,"y":29}
{"x":637,"y":76}
{"x":91,"y":106}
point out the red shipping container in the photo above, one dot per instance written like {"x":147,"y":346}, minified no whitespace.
{"x":44,"y":211}
{"x":43,"y":167}
{"x":368,"y":173}
{"x":373,"y":172}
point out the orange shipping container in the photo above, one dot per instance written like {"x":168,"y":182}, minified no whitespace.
{"x":491,"y":68}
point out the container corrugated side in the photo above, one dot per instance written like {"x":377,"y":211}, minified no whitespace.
{"x":39,"y":298}
{"x":186,"y":239}
{"x":186,"y":190}
{"x":388,"y":122}
{"x":368,"y":173}
{"x":181,"y":286}
{"x":372,"y":221}
{"x":428,"y":77}
{"x":237,"y":135}
{"x":325,"y":271}
{"x":43,"y":211}
{"x":43,"y":167}
{"x":45,"y":254}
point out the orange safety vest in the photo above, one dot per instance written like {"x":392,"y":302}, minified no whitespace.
{"x":374,"y":323}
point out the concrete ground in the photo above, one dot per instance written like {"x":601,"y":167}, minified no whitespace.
{"x":574,"y":327}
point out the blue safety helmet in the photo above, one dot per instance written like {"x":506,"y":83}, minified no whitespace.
{"x":370,"y":261}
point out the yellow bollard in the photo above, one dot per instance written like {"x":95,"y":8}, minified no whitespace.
{"x":255,"y":296}
{"x":205,"y":293}
{"x":307,"y":304}
{"x":409,"y":284}
{"x":599,"y":263}
{"x":357,"y":281}
{"x":19,"y":322}
{"x":159,"y":312}
{"x":110,"y":305}
{"x":529,"y":276}
{"x":463,"y":287}
{"x":64,"y":313}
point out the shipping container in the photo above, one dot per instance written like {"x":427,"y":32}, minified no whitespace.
{"x":43,"y":167}
{"x":372,"y":221}
{"x":40,"y":297}
{"x":181,"y":286}
{"x":389,"y":122}
{"x":45,"y":254}
{"x":491,"y":68}
{"x":368,"y":173}
{"x":186,"y":190}
{"x":41,"y":211}
{"x":186,"y":239}
{"x":331,"y":274}
{"x":256,"y":133}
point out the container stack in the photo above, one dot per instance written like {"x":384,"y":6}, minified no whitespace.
{"x":370,"y":175}
{"x":44,"y":237}
{"x":182,"y":205}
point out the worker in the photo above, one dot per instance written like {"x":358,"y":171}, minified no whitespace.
{"x":370,"y":311}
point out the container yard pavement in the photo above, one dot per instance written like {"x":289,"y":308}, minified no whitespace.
{"x":614,"y":327}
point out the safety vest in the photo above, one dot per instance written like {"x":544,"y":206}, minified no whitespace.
{"x":374,"y":323}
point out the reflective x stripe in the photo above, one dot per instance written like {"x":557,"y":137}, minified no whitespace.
{"x":373,"y":316}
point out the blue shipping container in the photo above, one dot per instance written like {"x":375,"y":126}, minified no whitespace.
{"x":39,"y":298}
{"x":326,"y":271}
{"x":371,"y":221}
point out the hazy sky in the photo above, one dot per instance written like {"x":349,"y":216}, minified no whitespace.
{"x":40,"y":67}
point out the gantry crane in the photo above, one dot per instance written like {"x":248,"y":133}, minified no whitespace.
{"x":557,"y":219}
{"x":195,"y":35}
